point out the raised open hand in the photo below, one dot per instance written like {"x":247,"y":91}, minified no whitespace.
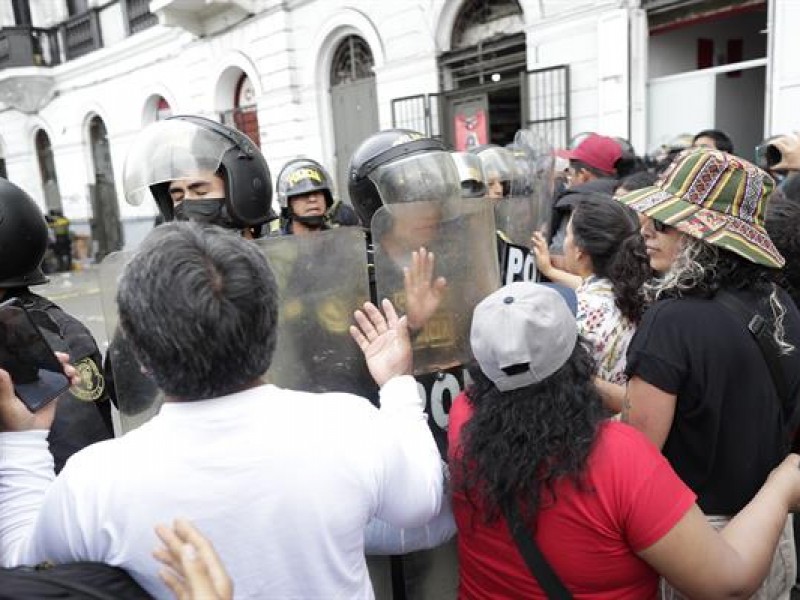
{"x":384,"y":341}
{"x":423,"y":293}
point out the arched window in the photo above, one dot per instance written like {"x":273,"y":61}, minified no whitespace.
{"x":47,"y":170}
{"x":163,"y":109}
{"x":485,"y":19}
{"x":245,"y":111}
{"x":351,"y":61}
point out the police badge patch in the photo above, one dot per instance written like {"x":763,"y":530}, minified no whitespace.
{"x":92,"y":384}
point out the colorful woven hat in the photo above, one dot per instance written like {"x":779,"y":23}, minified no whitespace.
{"x":716,"y":197}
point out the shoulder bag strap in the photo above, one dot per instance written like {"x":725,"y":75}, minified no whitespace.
{"x":761,"y":332}
{"x":550,"y":583}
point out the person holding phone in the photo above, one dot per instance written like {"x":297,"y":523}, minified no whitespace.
{"x":84,"y":415}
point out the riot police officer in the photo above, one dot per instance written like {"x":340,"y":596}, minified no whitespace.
{"x":83,"y":415}
{"x":198,"y":169}
{"x":406,"y":188}
{"x":304,"y":195}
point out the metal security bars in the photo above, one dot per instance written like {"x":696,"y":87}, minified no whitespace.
{"x":420,"y":113}
{"x":545,"y":102}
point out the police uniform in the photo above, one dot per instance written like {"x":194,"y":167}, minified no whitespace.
{"x":83,"y":415}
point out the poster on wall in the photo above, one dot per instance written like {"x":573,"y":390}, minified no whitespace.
{"x":470,"y":130}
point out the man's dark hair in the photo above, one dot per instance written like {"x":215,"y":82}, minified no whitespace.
{"x":200,"y":308}
{"x":721,"y":139}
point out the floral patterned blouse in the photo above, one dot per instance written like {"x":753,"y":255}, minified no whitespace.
{"x":604,"y":327}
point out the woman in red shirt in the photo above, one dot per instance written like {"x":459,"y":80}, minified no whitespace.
{"x":604,"y":506}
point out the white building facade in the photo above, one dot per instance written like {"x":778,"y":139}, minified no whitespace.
{"x":80,"y":78}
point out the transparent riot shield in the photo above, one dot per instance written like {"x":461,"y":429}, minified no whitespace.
{"x":461,"y":235}
{"x":527,"y":209}
{"x":137,"y":396}
{"x":322,"y":278}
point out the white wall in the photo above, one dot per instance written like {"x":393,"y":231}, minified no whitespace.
{"x":740,"y":109}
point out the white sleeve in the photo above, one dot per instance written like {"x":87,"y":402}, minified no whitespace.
{"x":411,"y":481}
{"x":26,"y":472}
{"x":381,"y":538}
{"x":41,"y":517}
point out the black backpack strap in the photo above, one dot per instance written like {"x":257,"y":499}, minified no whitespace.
{"x":550,"y":583}
{"x":761,"y":331}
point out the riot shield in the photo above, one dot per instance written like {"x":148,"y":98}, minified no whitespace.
{"x":460,"y":232}
{"x":527,"y":209}
{"x":137,"y":396}
{"x":322,"y":278}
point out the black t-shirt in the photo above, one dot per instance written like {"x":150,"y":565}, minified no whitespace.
{"x":726,"y":435}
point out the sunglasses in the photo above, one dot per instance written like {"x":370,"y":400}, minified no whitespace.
{"x":661,"y":227}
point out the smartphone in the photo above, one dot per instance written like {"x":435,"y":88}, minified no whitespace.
{"x":36,"y":372}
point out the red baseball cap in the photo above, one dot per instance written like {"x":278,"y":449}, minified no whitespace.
{"x":597,"y":151}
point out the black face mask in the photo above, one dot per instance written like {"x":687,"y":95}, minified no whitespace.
{"x":313,"y":221}
{"x":207,"y":210}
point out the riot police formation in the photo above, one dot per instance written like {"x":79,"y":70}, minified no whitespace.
{"x":83,"y":415}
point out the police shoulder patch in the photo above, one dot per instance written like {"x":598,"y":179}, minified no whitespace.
{"x":92,"y":384}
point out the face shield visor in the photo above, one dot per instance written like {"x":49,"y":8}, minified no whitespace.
{"x":168,"y":151}
{"x":498,"y":166}
{"x":430,"y":176}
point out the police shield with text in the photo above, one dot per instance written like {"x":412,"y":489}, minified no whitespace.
{"x":526,"y":208}
{"x":406,"y":187}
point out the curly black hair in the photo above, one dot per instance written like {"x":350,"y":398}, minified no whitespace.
{"x":702,"y":269}
{"x":517,"y":444}
{"x":609,"y":233}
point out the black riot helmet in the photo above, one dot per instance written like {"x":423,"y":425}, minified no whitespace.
{"x":303,"y":176}
{"x":399,"y":165}
{"x":23,"y":238}
{"x":185,"y":147}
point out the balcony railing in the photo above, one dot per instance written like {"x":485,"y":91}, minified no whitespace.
{"x":26,"y":46}
{"x":81,"y":34}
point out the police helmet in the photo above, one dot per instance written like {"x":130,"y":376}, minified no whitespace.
{"x":470,"y":173}
{"x":499,"y":164}
{"x":23,"y":238}
{"x":181,"y":147}
{"x":399,"y":165}
{"x":303,"y":176}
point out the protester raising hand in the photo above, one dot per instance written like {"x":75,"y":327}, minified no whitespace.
{"x":384,"y":341}
{"x":195,"y":571}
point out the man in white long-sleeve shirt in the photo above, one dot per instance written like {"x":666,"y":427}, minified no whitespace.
{"x":282,"y":482}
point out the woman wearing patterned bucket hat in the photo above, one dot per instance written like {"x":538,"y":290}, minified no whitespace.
{"x":700,"y":387}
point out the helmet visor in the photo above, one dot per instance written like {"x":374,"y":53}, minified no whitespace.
{"x":168,"y":151}
{"x":420,"y":177}
{"x":498,"y":164}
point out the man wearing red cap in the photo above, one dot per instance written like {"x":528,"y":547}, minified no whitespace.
{"x":592,"y":170}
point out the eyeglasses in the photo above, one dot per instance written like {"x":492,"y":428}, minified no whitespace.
{"x":661,"y":227}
